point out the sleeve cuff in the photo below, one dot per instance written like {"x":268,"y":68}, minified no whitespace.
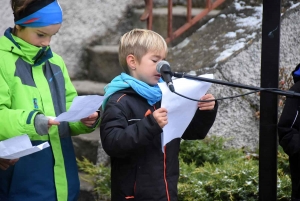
{"x":41,"y":124}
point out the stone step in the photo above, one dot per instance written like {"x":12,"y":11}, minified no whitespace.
{"x":87,"y":192}
{"x":103,"y":63}
{"x":89,"y":146}
{"x":86,"y":145}
{"x":88,"y":87}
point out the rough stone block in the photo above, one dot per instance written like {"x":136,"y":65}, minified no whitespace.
{"x":86,"y":145}
{"x":87,"y":87}
{"x":103,"y":63}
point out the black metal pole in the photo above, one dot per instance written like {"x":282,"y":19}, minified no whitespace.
{"x":269,"y":102}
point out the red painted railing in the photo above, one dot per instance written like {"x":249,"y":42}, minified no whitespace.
{"x":190,"y":21}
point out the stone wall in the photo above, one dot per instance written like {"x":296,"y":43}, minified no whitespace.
{"x":236,"y":119}
{"x":83,"y":20}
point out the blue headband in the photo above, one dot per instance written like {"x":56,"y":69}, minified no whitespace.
{"x":48,"y":15}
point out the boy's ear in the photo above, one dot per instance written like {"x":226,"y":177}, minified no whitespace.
{"x":131,"y":62}
{"x":18,"y":27}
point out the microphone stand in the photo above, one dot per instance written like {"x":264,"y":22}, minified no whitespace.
{"x":291,"y":94}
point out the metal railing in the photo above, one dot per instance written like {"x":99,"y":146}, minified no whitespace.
{"x":190,"y":21}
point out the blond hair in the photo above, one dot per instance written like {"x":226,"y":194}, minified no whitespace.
{"x":139,"y":42}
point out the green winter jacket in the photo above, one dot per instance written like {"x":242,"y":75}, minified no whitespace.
{"x":34,"y":80}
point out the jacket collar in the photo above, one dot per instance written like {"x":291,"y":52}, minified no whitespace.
{"x":30,"y":53}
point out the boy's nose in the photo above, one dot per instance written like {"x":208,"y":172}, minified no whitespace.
{"x":46,"y":42}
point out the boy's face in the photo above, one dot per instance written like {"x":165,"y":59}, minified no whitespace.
{"x":37,"y":36}
{"x":145,"y":70}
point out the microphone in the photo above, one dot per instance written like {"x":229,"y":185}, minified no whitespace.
{"x":163,"y":67}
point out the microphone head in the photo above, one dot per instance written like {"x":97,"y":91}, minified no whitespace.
{"x":160,"y":64}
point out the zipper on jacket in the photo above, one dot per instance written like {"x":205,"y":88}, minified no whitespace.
{"x":295,"y":119}
{"x":35,"y":103}
{"x":165,"y":173}
{"x":165,"y":169}
{"x":131,"y":196}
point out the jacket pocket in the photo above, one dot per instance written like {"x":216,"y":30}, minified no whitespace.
{"x":126,"y":180}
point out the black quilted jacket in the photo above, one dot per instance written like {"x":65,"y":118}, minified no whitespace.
{"x":289,"y":136}
{"x":131,"y":136}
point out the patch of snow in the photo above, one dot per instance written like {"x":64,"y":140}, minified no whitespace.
{"x":213,"y":48}
{"x":183,"y":43}
{"x":202,"y":27}
{"x":230,"y":35}
{"x":228,"y":52}
{"x":254,"y":20}
{"x":249,"y":21}
{"x":294,"y":5}
{"x":253,"y":35}
{"x":192,"y":72}
{"x":231,"y":15}
{"x":211,"y":20}
{"x":240,"y":31}
{"x":242,"y":40}
{"x":238,"y":6}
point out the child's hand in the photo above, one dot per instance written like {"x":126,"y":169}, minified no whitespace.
{"x":160,"y":115}
{"x":206,"y":105}
{"x":90,"y":120}
{"x":52,"y":122}
{"x":5,"y":163}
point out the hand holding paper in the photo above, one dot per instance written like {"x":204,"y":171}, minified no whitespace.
{"x":5,"y":163}
{"x":19,"y":146}
{"x":207,"y":105}
{"x":82,"y":107}
{"x":90,"y":120}
{"x":160,"y":115}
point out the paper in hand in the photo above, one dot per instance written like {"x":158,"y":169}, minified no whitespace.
{"x":82,"y":107}
{"x":181,"y":110}
{"x":19,"y":146}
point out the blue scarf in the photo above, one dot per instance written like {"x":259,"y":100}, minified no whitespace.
{"x":151,"y":93}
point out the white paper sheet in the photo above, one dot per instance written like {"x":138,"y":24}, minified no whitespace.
{"x":19,"y":146}
{"x":82,"y":106}
{"x":181,"y":110}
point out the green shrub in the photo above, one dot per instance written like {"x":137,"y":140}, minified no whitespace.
{"x":232,"y":180}
{"x":220,"y":174}
{"x":100,"y":177}
{"x":209,"y":172}
{"x":211,"y":150}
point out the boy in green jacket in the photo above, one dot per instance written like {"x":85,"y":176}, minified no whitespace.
{"x":34,"y":84}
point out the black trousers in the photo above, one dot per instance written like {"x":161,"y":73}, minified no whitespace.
{"x":295,"y":176}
